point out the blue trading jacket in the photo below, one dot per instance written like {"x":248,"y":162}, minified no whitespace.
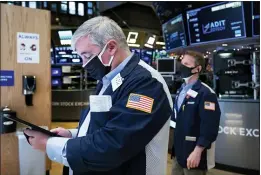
{"x":121,"y":141}
{"x":197,"y":123}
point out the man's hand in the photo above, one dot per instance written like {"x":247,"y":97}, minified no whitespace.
{"x":37,"y":139}
{"x":62,"y":132}
{"x":194,"y":158}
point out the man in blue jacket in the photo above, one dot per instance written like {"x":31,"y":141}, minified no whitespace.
{"x":125,"y":130}
{"x":197,"y":116}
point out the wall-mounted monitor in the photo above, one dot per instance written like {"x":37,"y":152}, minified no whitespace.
{"x":255,"y":18}
{"x":32,"y":4}
{"x":66,"y":56}
{"x":23,"y":4}
{"x":90,"y":5}
{"x":146,"y":56}
{"x":56,"y":72}
{"x":80,"y":9}
{"x":56,"y":82}
{"x":90,"y":12}
{"x":166,"y":66}
{"x":158,"y":54}
{"x":216,"y":22}
{"x":174,"y":33}
{"x":64,"y":7}
{"x":65,"y":37}
{"x":72,"y":8}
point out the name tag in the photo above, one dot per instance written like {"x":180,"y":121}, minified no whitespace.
{"x":188,"y":138}
{"x":116,"y":82}
{"x":192,"y":93}
{"x":191,"y":102}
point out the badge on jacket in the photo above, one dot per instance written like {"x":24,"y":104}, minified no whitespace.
{"x":116,"y":82}
{"x":140,"y":102}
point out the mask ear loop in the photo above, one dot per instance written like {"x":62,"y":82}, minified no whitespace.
{"x":111,"y":59}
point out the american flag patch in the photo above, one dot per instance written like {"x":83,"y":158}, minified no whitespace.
{"x":209,"y":106}
{"x":140,"y":102}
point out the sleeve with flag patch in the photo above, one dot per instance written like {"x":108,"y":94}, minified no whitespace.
{"x":209,"y":113}
{"x":140,"y":102}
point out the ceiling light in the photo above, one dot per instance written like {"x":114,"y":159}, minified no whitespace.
{"x":160,"y":43}
{"x":224,"y":45}
{"x":133,"y":45}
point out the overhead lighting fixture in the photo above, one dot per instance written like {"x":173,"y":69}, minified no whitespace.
{"x":134,"y":45}
{"x":151,"y":40}
{"x":163,"y":47}
{"x":224,"y":45}
{"x":214,"y":50}
{"x":132,"y":37}
{"x":160,"y":43}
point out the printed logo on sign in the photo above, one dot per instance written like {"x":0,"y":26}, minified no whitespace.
{"x":248,"y":132}
{"x":215,"y":26}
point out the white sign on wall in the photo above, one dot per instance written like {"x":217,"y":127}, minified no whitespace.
{"x":28,"y":48}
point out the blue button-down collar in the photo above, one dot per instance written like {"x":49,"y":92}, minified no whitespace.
{"x":107,"y":78}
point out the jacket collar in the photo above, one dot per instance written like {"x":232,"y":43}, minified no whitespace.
{"x":134,"y":61}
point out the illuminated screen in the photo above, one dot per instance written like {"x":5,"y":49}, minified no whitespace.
{"x":174,"y":33}
{"x":89,"y":4}
{"x":216,"y":22}
{"x":32,"y":5}
{"x":63,"y":7}
{"x":80,"y":9}
{"x":72,"y":8}
{"x":65,"y":37}
{"x":90,"y":12}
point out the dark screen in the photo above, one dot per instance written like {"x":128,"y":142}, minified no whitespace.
{"x":166,"y":65}
{"x":174,"y":34}
{"x":256,"y":17}
{"x":216,"y":22}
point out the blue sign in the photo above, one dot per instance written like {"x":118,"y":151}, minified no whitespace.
{"x":6,"y":78}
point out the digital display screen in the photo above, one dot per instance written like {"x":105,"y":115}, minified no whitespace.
{"x":56,"y":71}
{"x":174,"y":33}
{"x":54,"y":7}
{"x":90,"y":12}
{"x":64,"y":7}
{"x":146,"y":56}
{"x":65,"y":56}
{"x":166,"y":66}
{"x":158,"y":54}
{"x":23,"y":4}
{"x":56,"y":82}
{"x":216,"y":22}
{"x":32,"y":5}
{"x":65,"y":37}
{"x":72,"y":8}
{"x":80,"y":9}
{"x":89,"y":4}
{"x":256,"y":18}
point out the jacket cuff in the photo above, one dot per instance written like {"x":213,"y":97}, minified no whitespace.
{"x":74,"y":156}
{"x":203,"y":143}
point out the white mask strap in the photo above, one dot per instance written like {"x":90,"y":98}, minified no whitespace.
{"x":101,"y":53}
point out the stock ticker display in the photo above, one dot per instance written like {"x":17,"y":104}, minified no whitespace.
{"x":174,"y":33}
{"x":216,"y":22}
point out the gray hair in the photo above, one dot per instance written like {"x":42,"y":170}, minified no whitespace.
{"x":100,"y":30}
